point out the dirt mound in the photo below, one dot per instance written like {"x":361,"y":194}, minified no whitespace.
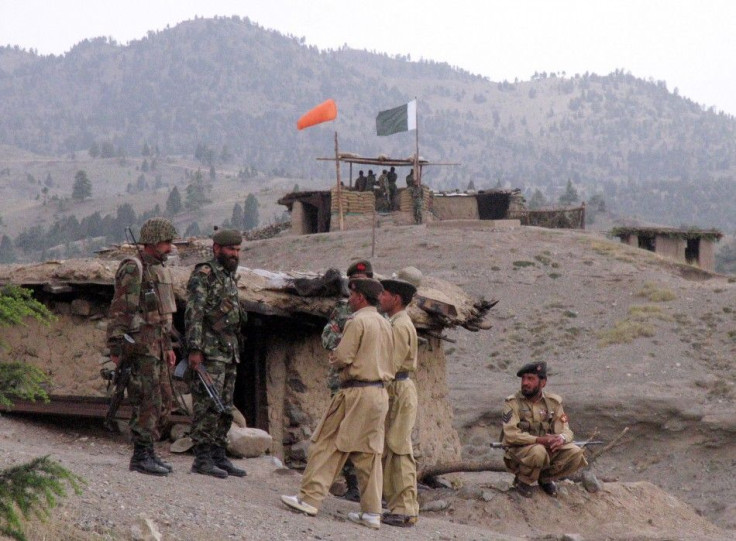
{"x":637,"y":510}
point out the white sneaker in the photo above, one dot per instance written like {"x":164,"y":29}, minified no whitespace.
{"x":295,"y":503}
{"x":371,"y":520}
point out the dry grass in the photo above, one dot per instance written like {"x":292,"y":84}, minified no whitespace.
{"x":638,"y":323}
{"x":653,"y":293}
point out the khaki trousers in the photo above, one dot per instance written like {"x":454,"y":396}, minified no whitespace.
{"x":325,"y":461}
{"x":531,"y":463}
{"x":399,"y":465}
{"x":400,"y":483}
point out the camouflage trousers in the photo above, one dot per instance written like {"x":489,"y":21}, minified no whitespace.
{"x":417,"y":206}
{"x":167,"y":400}
{"x":144,"y":393}
{"x":208,"y":426}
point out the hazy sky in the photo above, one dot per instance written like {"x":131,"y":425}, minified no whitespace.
{"x":689,"y":44}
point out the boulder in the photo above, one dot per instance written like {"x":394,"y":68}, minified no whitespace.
{"x":248,"y":442}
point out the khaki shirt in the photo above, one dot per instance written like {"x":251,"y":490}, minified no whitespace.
{"x":405,"y":342}
{"x":366,"y":350}
{"x":524,"y":421}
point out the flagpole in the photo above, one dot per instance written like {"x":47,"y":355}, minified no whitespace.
{"x":339,"y":184}
{"x":417,"y":171}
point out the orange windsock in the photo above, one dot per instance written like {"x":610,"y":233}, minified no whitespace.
{"x":322,"y":113}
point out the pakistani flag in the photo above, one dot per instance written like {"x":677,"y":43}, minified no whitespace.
{"x":402,"y":118}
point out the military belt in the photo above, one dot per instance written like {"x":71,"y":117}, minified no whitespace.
{"x":359,"y":383}
{"x":400,"y":376}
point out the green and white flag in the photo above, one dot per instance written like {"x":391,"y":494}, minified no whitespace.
{"x":398,"y":119}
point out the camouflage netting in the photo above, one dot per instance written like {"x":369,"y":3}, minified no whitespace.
{"x":261,"y":291}
{"x":570,"y":218}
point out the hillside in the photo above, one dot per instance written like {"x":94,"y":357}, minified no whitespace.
{"x":631,"y":339}
{"x":236,"y":89}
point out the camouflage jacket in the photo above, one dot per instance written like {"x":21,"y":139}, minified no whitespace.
{"x":142,"y":307}
{"x":213,"y":315}
{"x":332,"y":333}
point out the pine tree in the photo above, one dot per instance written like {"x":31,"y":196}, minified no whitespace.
{"x":82,"y":188}
{"x":196,"y":192}
{"x":538,"y":200}
{"x":173,"y":202}
{"x":250,"y":212}
{"x":570,"y":196}
{"x":237,"y":218}
{"x":35,"y":486}
{"x":7,"y":254}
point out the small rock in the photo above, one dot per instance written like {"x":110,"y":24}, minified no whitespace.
{"x":571,"y":537}
{"x":591,"y":482}
{"x":145,"y":530}
{"x":487,"y":495}
{"x":435,"y":505}
{"x":298,"y":451}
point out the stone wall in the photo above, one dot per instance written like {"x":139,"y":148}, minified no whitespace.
{"x":707,"y":259}
{"x":298,"y":394}
{"x":455,"y":207}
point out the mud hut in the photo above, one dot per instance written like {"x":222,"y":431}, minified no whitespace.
{"x":498,"y":204}
{"x":281,"y":381}
{"x":692,"y":246}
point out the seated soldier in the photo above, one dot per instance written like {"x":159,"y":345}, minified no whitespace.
{"x":536,"y":436}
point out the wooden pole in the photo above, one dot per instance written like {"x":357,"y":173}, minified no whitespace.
{"x":417,"y":171}
{"x":339,"y":183}
{"x":494,"y":465}
{"x":373,"y":242}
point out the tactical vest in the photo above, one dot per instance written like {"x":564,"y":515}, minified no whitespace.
{"x":156,"y":302}
{"x":535,"y":428}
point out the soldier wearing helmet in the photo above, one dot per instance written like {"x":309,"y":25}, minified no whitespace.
{"x":139,"y":334}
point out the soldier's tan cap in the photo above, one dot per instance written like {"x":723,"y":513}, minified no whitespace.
{"x":539,"y":368}
{"x":410,"y":274}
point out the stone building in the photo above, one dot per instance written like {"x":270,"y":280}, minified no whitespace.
{"x":691,"y":246}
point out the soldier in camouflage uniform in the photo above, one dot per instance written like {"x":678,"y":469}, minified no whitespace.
{"x":392,"y":188}
{"x":417,"y":202}
{"x":331,"y":335}
{"x":213,"y":318}
{"x":142,"y":309}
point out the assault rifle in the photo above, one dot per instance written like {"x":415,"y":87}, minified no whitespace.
{"x":119,"y":377}
{"x":206,"y":380}
{"x":499,"y":445}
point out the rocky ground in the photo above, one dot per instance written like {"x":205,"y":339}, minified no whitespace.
{"x":632,"y":340}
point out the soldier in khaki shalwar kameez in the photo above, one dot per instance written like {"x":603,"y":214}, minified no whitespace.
{"x":537,"y":434}
{"x":353,"y":426}
{"x":399,"y":466}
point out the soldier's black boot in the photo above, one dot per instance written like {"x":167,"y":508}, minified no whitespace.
{"x":221,"y":461}
{"x":143,"y":462}
{"x":352,"y":494}
{"x":157,"y":459}
{"x":204,"y":464}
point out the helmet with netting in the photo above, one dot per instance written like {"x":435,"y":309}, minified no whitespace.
{"x":157,"y":230}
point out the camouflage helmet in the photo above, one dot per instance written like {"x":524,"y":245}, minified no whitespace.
{"x":157,"y":230}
